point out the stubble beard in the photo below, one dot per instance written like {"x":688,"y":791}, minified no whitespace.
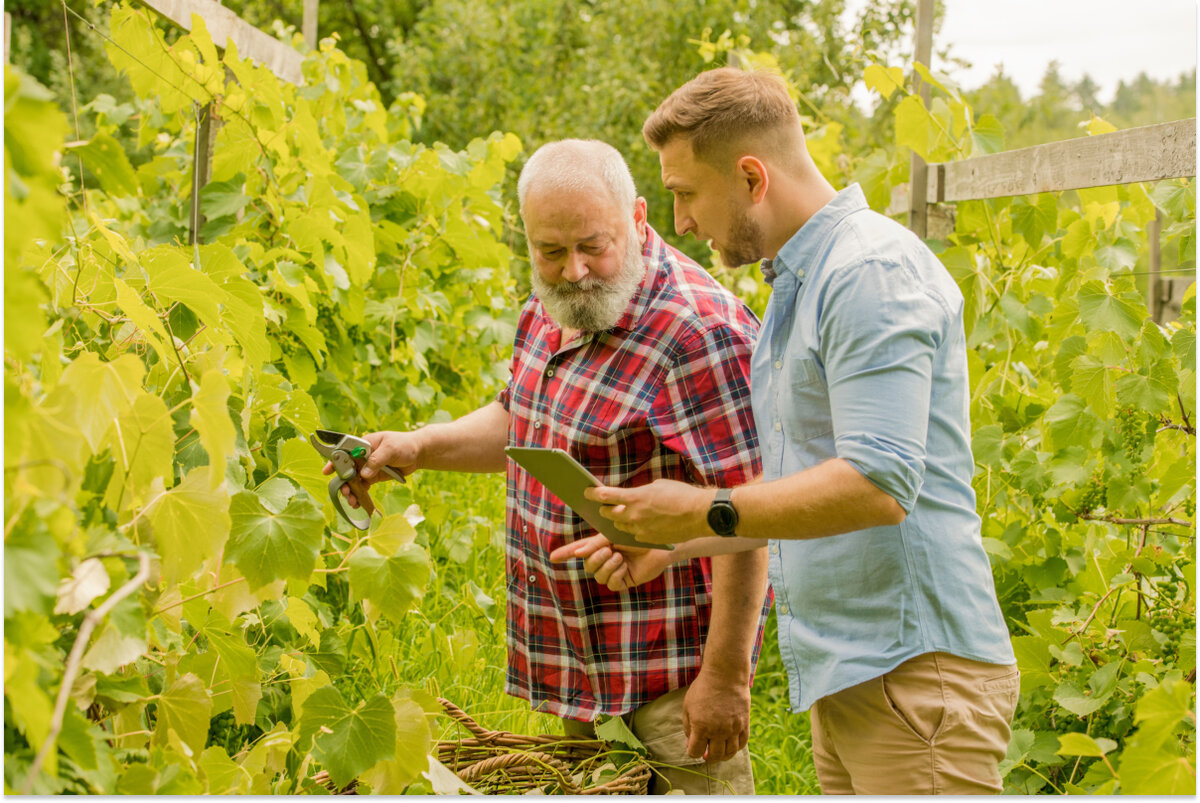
{"x":745,"y":241}
{"x":593,"y":304}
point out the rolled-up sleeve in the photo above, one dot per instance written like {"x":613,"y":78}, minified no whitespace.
{"x":880,"y":330}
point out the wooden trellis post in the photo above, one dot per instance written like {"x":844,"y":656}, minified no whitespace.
{"x":225,"y":26}
{"x":918,"y":209}
{"x":309,"y":28}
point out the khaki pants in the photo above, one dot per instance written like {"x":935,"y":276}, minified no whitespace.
{"x":659,"y":726}
{"x":936,"y":724}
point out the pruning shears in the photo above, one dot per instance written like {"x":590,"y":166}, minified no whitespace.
{"x":342,"y":450}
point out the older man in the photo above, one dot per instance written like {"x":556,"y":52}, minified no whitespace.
{"x":633,"y":360}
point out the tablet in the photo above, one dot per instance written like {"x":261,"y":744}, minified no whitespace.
{"x":566,"y":478}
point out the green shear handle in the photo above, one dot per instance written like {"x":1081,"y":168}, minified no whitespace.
{"x":342,"y":451}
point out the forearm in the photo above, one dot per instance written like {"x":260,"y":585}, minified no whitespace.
{"x":739,"y":586}
{"x":828,"y":499}
{"x":474,"y":442}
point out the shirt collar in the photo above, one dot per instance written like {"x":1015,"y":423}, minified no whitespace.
{"x":800,"y":252}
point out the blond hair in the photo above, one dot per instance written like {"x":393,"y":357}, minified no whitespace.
{"x":721,"y":110}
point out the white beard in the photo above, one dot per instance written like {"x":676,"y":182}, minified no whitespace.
{"x":593,"y":304}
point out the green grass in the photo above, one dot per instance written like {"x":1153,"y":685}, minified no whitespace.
{"x":780,"y":741}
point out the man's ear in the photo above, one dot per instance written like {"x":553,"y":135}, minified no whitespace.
{"x":639,"y":219}
{"x":752,"y":175}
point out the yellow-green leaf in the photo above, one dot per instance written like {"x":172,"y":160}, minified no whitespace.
{"x":185,"y":708}
{"x":191,"y":524}
{"x":884,"y":80}
{"x":210,"y":417}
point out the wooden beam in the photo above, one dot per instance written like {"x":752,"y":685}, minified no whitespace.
{"x":224,"y":25}
{"x":918,"y":209}
{"x":1148,"y":153}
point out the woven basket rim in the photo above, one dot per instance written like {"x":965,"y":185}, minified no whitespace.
{"x":488,"y":745}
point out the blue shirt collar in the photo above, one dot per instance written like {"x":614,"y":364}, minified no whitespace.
{"x":804,"y":247}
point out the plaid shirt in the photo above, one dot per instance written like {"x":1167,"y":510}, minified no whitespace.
{"x":665,"y":393}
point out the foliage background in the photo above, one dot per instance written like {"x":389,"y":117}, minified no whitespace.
{"x":356,"y":271}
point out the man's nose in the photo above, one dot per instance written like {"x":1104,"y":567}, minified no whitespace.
{"x":576,"y":266}
{"x":683,"y":222}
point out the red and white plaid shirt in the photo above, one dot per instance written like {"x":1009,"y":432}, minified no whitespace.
{"x":665,"y":393}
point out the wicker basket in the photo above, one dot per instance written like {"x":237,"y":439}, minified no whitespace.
{"x":498,"y":762}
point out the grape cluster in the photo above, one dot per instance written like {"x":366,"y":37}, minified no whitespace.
{"x":1094,"y":494}
{"x":1131,"y":423}
{"x":1171,"y":623}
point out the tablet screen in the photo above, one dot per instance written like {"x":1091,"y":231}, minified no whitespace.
{"x":564,"y":477}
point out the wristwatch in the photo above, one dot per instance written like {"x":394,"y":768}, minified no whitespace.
{"x":722,"y":515}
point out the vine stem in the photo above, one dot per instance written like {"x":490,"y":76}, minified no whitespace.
{"x":1139,"y":522}
{"x":197,"y":596}
{"x":75,"y":658}
{"x":75,"y":111}
{"x":1083,"y":627}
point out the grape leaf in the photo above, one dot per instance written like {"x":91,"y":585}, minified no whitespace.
{"x":348,"y":740}
{"x":270,"y":546}
{"x":393,"y":584}
{"x":88,"y":581}
{"x":210,"y":417}
{"x":191,"y":524}
{"x":185,"y":708}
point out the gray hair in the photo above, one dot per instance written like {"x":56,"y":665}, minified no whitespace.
{"x":575,"y":164}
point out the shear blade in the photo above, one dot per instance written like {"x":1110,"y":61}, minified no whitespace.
{"x":329,"y":436}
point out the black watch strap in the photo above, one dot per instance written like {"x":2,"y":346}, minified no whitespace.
{"x":722,"y":515}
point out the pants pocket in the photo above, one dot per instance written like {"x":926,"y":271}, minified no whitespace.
{"x":913,"y":691}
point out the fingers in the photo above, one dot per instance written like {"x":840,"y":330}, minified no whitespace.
{"x":607,"y":495}
{"x":621,"y":579}
{"x":722,"y":749}
{"x":395,"y":449}
{"x":328,"y":469}
{"x":582,"y":548}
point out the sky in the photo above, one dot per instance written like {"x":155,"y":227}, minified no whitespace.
{"x":1110,"y":40}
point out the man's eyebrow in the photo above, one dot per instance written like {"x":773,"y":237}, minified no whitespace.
{"x":554,"y":244}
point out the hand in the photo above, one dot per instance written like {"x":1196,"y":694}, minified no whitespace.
{"x":620,"y":568}
{"x":663,"y":512}
{"x":716,"y":716}
{"x":399,"y":450}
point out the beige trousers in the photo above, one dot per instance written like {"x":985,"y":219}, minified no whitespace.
{"x":659,"y":726}
{"x":936,"y":724}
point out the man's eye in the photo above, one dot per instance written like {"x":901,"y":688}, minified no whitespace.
{"x":680,"y":195}
{"x":555,"y":254}
{"x":593,"y":250}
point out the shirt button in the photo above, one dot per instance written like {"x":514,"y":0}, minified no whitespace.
{"x":532,"y":579}
{"x":549,"y":372}
{"x":800,"y":272}
{"x":778,"y":364}
{"x":537,"y":424}
{"x":774,"y":549}
{"x":783,"y":608}
{"x":778,"y":427}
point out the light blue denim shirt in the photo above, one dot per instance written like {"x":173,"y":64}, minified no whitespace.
{"x":862,"y":356}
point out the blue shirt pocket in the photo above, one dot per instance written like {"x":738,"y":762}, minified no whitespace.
{"x":806,"y":410}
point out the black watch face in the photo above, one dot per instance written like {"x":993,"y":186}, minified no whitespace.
{"x":722,"y":519}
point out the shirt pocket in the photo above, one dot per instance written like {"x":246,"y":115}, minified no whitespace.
{"x":805,"y":404}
